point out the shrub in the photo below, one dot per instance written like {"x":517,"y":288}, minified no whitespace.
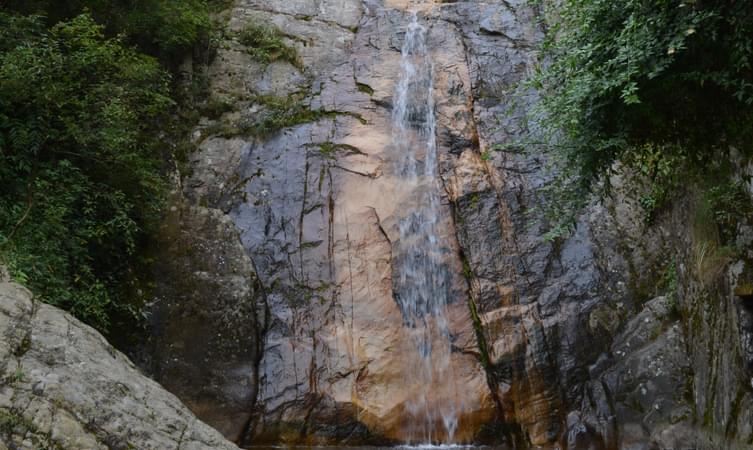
{"x":79,"y":159}
{"x":621,"y":77}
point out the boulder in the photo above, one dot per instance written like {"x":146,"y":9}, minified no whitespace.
{"x":64,"y":386}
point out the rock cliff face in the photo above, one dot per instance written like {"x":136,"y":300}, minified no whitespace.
{"x":62,"y":386}
{"x":279,"y":319}
{"x":209,"y":317}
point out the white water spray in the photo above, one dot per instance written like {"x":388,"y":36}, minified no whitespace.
{"x":422,"y":285}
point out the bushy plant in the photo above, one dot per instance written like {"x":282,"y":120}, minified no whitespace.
{"x":79,"y":159}
{"x":619,"y":78}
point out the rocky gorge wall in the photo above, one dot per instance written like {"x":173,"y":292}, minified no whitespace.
{"x":276,"y":317}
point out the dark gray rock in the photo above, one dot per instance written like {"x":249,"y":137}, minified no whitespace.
{"x":208,"y":318}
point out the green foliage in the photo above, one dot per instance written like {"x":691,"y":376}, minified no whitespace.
{"x":10,"y":421}
{"x":87,"y":123}
{"x":558,"y":231}
{"x":665,"y":87}
{"x":79,"y":160}
{"x":283,"y":112}
{"x":330,"y":149}
{"x":671,"y":283}
{"x":172,"y":27}
{"x":14,"y":425}
{"x":274,"y":113}
{"x":214,"y":107}
{"x":717,"y":212}
{"x":658,"y":167}
{"x":729,"y":203}
{"x":365,"y":88}
{"x":18,"y":375}
{"x":265,"y":43}
{"x":166,"y":28}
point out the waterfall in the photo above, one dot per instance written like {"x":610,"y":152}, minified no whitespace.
{"x":422,"y":279}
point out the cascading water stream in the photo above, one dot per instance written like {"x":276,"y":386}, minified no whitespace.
{"x":422,"y":284}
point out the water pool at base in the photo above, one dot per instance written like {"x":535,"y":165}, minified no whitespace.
{"x":377,"y":447}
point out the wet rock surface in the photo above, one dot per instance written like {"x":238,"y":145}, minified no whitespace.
{"x":208,"y":317}
{"x":641,"y":388}
{"x":64,"y":386}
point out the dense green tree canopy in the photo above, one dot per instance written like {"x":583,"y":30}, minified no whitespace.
{"x":85,"y":103}
{"x":80,"y":168}
{"x":167,"y":28}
